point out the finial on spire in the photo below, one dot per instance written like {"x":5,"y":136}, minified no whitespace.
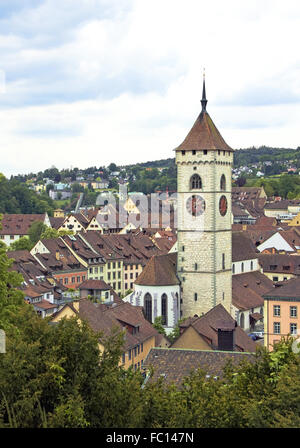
{"x":204,"y":100}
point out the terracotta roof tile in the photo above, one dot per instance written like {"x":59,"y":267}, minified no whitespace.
{"x":204,"y":135}
{"x":175,"y":364}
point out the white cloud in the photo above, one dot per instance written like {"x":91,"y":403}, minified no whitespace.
{"x":120,"y":81}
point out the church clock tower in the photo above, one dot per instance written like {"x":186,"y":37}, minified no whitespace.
{"x":204,"y":162}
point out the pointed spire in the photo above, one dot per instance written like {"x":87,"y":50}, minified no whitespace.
{"x":204,"y":100}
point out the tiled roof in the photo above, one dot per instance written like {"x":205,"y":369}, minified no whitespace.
{"x":175,"y":364}
{"x":56,"y":223}
{"x":278,"y":205}
{"x":248,"y":289}
{"x":208,"y":324}
{"x":160,"y":271}
{"x":94,"y":284}
{"x":123,"y":316}
{"x":242,"y":247}
{"x":18,"y":224}
{"x":281,"y":263}
{"x":204,"y":135}
{"x":66,"y":259}
{"x":289,"y":290}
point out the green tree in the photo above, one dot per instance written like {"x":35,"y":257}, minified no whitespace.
{"x":23,"y":243}
{"x":35,"y":231}
{"x":158,"y":325}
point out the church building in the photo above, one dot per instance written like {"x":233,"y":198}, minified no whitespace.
{"x":204,"y":163}
{"x":201,"y":276}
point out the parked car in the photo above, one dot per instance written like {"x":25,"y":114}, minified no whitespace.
{"x":259,"y":334}
{"x":252,"y":336}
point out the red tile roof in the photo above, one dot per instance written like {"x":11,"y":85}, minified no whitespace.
{"x":204,"y":135}
{"x":18,"y":224}
{"x":160,"y":271}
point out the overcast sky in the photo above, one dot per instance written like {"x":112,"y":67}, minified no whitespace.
{"x":88,"y":82}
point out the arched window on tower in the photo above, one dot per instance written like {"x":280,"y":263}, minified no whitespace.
{"x":164,"y":309}
{"x":223,"y":183}
{"x":195,"y":182}
{"x":148,"y":306}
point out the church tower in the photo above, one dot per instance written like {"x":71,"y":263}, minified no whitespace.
{"x":204,"y":163}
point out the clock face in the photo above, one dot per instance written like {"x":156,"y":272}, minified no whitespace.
{"x":223,"y":205}
{"x":195,"y":205}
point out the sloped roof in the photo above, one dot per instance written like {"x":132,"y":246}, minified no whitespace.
{"x":175,"y":364}
{"x":242,"y":247}
{"x":105,"y":318}
{"x":204,"y":135}
{"x":94,"y":284}
{"x":18,"y":224}
{"x":248,"y":289}
{"x":208,"y":324}
{"x":159,"y":271}
{"x":283,"y":263}
{"x":289,"y":290}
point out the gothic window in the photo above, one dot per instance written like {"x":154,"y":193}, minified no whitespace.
{"x":242,"y":320}
{"x":195,"y":182}
{"x":164,"y":309}
{"x":148,"y":306}
{"x":223,"y":183}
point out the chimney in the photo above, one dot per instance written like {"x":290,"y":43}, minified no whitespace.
{"x":226,"y":335}
{"x":57,"y":255}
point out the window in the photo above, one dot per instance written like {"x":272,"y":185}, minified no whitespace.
{"x":78,"y":279}
{"x":276,"y":327}
{"x":251,"y":265}
{"x":195,"y":182}
{"x":293,"y":328}
{"x":205,"y":152}
{"x":83,"y":278}
{"x":293,"y":311}
{"x":242,"y":321}
{"x":276,"y":310}
{"x":125,"y":276}
{"x":148,"y":306}
{"x":12,"y":237}
{"x":196,"y":266}
{"x":223,"y":183}
{"x":129,"y":355}
{"x":142,"y":347}
{"x":195,"y":297}
{"x":66,"y":281}
{"x":223,"y":261}
{"x":135,"y":351}
{"x":119,"y":264}
{"x":182,"y":248}
{"x":233,"y":268}
{"x":275,"y":279}
{"x":194,"y":152}
{"x":73,"y":279}
{"x":119,"y":285}
{"x":183,"y":153}
{"x":164,"y":308}
{"x":242,"y":267}
{"x":138,"y":348}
